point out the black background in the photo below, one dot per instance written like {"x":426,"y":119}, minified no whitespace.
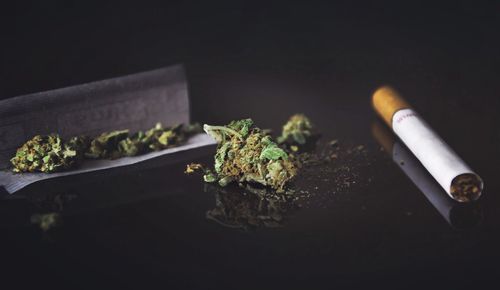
{"x":341,"y":49}
{"x":266,"y":61}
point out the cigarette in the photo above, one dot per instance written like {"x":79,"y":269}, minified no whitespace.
{"x":449,"y":170}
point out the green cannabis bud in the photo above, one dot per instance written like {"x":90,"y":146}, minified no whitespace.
{"x":48,"y":154}
{"x":298,"y":130}
{"x":245,"y":154}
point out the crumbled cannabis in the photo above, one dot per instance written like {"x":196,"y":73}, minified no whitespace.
{"x":48,"y":154}
{"x":208,"y":175}
{"x":155,"y":139}
{"x":106,"y":145}
{"x":245,"y":154}
{"x":51,"y":153}
{"x":298,"y":130}
{"x":193,"y":167}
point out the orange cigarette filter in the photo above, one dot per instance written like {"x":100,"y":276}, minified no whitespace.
{"x":386,"y":101}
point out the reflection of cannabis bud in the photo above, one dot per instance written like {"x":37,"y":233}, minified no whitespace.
{"x":48,"y":154}
{"x":236,"y":208}
{"x":298,"y":130}
{"x":46,"y":221}
{"x":245,"y":154}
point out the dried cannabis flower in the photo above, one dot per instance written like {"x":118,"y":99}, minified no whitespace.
{"x":51,"y":154}
{"x":156,"y":138}
{"x":245,"y":154}
{"x":208,"y":175}
{"x":117,"y":144}
{"x":193,"y":167}
{"x":159,"y":138}
{"x":106,"y":144}
{"x":298,"y":130}
{"x":48,"y":154}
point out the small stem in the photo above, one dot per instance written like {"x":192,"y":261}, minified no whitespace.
{"x":222,"y":128}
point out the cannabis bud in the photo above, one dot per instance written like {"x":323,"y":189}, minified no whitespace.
{"x":48,"y":154}
{"x":297,"y":131}
{"x":245,"y":154}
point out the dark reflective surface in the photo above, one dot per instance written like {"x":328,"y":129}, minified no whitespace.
{"x":147,"y":227}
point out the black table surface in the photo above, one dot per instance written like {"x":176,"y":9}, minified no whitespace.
{"x":146,"y":226}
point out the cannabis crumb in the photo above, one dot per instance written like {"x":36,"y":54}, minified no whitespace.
{"x":193,"y":167}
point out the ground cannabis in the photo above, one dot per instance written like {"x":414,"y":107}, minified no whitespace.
{"x":118,"y":144}
{"x":154,"y":139}
{"x":106,"y":145}
{"x":245,"y":154}
{"x":50,"y":153}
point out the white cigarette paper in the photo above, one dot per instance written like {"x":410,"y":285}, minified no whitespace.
{"x":436,"y":156}
{"x":449,"y":170}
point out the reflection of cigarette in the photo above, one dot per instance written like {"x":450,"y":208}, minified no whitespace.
{"x":459,"y":216}
{"x":451,"y":172}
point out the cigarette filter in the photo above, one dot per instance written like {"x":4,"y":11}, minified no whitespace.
{"x":449,"y":170}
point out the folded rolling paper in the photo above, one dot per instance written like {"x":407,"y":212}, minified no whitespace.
{"x":135,"y":102}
